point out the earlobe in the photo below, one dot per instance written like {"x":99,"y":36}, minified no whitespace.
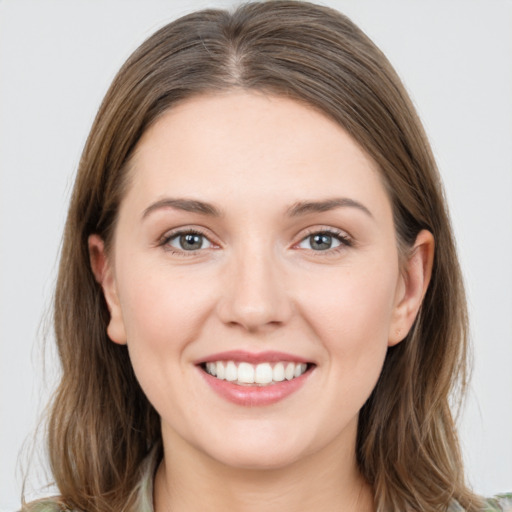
{"x":412,"y":287}
{"x":104,"y":274}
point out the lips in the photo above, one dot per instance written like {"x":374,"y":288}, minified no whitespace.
{"x":251,"y":379}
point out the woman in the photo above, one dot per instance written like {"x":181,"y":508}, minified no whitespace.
{"x":258,"y":276}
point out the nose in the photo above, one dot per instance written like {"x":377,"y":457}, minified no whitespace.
{"x":254,"y":295}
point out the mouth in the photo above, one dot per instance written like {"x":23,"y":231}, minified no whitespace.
{"x":255,"y":379}
{"x":243,"y":373}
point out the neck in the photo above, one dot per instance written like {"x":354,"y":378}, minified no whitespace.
{"x":191,"y":481}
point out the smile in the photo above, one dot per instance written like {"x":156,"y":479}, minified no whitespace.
{"x":262,"y":374}
{"x":255,"y":379}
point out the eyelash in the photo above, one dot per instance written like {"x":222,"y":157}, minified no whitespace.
{"x":168,"y":237}
{"x":344,"y":239}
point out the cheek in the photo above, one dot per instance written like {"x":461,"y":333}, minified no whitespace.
{"x":351,"y":309}
{"x":160,"y":308}
{"x":163,"y":313}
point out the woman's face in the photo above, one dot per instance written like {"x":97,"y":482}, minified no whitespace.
{"x":255,"y":241}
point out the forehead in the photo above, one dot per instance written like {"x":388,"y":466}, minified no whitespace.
{"x":264,"y":147}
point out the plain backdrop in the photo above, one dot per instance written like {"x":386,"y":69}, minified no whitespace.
{"x":57,"y":59}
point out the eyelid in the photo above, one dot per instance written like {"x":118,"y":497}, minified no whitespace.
{"x":345,"y":239}
{"x":163,"y":241}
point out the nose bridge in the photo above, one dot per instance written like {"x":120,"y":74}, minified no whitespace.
{"x":255,"y":296}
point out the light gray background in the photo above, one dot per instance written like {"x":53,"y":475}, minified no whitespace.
{"x":57,"y":59}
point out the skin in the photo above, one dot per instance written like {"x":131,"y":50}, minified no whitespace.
{"x":258,"y":284}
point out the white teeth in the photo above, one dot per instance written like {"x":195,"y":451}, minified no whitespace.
{"x":211,"y":368}
{"x":221,"y":372}
{"x":278,"y":372}
{"x":299,"y":370}
{"x":231,"y":371}
{"x":246,"y":373}
{"x":289,"y":371}
{"x":261,"y":374}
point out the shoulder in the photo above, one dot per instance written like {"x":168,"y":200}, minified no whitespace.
{"x":140,"y":499}
{"x":45,"y":505}
{"x":501,"y":503}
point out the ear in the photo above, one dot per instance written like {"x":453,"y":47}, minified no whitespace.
{"x":413,"y":284}
{"x":104,"y":273}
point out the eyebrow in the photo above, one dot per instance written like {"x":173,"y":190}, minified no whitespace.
{"x":306,"y":207}
{"x":187,"y":205}
{"x":295,"y":210}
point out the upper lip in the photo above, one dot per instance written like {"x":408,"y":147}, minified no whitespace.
{"x":252,"y":357}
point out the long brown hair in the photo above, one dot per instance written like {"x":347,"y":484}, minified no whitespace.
{"x":101,"y":424}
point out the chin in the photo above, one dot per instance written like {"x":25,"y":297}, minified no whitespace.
{"x":269,"y":452}
{"x":256,"y":460}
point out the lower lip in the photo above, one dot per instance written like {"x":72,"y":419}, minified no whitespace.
{"x":251,"y":396}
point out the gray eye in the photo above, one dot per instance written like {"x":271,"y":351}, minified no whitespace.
{"x":189,"y":242}
{"x":320,"y":242}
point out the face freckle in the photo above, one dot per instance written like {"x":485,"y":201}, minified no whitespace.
{"x":255,"y":228}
